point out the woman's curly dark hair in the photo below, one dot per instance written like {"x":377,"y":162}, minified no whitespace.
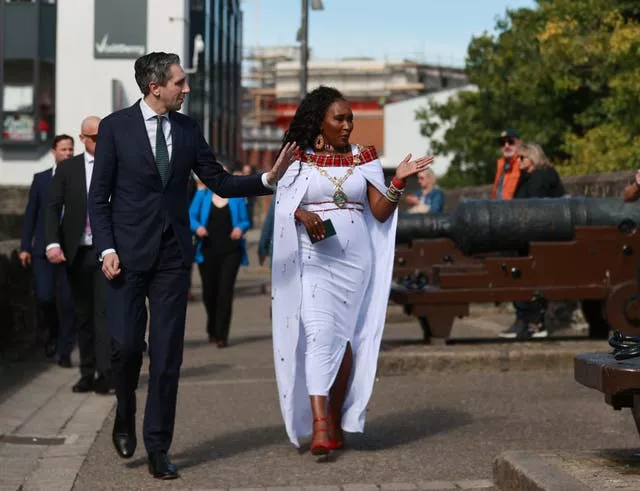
{"x":305,"y":125}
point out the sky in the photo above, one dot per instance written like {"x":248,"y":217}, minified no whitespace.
{"x":432,"y":31}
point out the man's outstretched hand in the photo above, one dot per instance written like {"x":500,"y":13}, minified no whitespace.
{"x":285,"y":159}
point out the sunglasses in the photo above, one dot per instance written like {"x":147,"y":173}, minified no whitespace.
{"x":504,"y":141}
{"x":91,"y":137}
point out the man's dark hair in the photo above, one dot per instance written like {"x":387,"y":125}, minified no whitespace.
{"x":154,"y":67}
{"x":58,"y":138}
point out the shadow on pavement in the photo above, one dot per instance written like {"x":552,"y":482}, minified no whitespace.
{"x":389,"y":344}
{"x":405,"y":427}
{"x":250,"y":339}
{"x":16,"y":374}
{"x":249,"y":290}
{"x":224,"y":446}
{"x":382,"y":433}
{"x":234,"y":341}
{"x":196,"y":343}
{"x":196,"y":371}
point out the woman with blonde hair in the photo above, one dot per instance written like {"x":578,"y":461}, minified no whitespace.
{"x":431,"y":197}
{"x":538,"y":177}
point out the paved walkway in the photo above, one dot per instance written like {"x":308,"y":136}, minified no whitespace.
{"x":429,"y":430}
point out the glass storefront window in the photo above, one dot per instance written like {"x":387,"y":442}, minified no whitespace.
{"x":18,"y":127}
{"x":27,"y":72}
{"x":17,"y":101}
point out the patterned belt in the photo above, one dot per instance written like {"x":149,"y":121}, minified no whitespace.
{"x":330,"y":205}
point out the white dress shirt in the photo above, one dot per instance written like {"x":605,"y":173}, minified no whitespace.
{"x":87,"y":238}
{"x":151,"y":123}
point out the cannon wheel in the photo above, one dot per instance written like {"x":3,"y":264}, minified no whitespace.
{"x":623,"y":309}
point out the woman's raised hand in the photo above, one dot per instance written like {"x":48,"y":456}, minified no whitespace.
{"x":409,"y":167}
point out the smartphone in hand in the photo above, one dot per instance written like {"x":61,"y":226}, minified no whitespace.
{"x":329,"y":231}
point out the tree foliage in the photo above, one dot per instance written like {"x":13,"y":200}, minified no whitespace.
{"x":566,"y":74}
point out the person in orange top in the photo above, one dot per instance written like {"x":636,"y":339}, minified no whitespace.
{"x":508,"y":171}
{"x":632,"y":191}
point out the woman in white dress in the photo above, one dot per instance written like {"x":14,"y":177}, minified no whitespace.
{"x":334,"y":237}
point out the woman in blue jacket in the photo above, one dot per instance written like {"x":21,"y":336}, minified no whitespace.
{"x":219,"y":225}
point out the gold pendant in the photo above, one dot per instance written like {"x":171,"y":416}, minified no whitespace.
{"x":339,"y":198}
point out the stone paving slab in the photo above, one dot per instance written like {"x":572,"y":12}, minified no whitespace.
{"x":552,"y":355}
{"x":599,"y":470}
{"x":479,"y":485}
{"x":18,"y":409}
{"x":47,"y":408}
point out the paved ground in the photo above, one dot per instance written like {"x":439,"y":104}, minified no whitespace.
{"x":428,"y":430}
{"x":605,"y":469}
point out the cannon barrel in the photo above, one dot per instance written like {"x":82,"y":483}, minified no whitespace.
{"x":487,"y":226}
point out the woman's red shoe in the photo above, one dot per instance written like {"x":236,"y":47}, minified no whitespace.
{"x":320,"y":448}
{"x":336,"y":444}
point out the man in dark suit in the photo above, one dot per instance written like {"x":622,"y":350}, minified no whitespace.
{"x":70,"y":241}
{"x":139,"y":212}
{"x":54,"y":307}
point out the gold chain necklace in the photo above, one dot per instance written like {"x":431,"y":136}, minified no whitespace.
{"x":339,"y":196}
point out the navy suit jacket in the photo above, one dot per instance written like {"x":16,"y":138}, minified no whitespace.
{"x":129,"y":206}
{"x":33,"y":239}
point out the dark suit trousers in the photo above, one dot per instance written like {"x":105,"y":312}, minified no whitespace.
{"x":54,"y":304}
{"x":88,"y":287}
{"x":218,"y":274}
{"x":166,"y":287}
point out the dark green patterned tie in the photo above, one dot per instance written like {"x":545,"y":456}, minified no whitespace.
{"x":162,"y":153}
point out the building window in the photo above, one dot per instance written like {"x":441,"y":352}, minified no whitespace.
{"x":17,"y":101}
{"x":27,"y":72}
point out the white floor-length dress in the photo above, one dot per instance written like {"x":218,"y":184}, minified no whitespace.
{"x":330,"y":293}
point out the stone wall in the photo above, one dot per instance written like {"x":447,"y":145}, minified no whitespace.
{"x":601,"y":185}
{"x":19,"y":337}
{"x":13,"y":200}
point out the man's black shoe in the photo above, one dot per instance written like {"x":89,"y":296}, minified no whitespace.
{"x":65,"y":362}
{"x":50,"y":347}
{"x":102,"y":385}
{"x":161,"y":467}
{"x":85,"y":384}
{"x":124,"y":437}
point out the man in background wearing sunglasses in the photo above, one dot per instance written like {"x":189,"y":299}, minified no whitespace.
{"x":70,"y":242}
{"x":508,"y":170}
{"x":504,"y":187}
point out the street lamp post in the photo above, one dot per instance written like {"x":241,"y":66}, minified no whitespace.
{"x":304,"y":48}
{"x":304,"y":42}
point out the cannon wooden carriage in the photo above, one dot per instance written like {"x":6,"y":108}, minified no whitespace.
{"x":582,"y":249}
{"x":619,"y":381}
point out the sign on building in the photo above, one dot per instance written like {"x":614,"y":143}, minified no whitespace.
{"x":120,"y":28}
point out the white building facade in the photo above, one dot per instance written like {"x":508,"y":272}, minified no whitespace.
{"x":92,"y":70}
{"x":402,"y":130}
{"x":62,"y":60}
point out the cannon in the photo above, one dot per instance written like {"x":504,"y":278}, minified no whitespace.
{"x":559,"y":249}
{"x":485,"y":225}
